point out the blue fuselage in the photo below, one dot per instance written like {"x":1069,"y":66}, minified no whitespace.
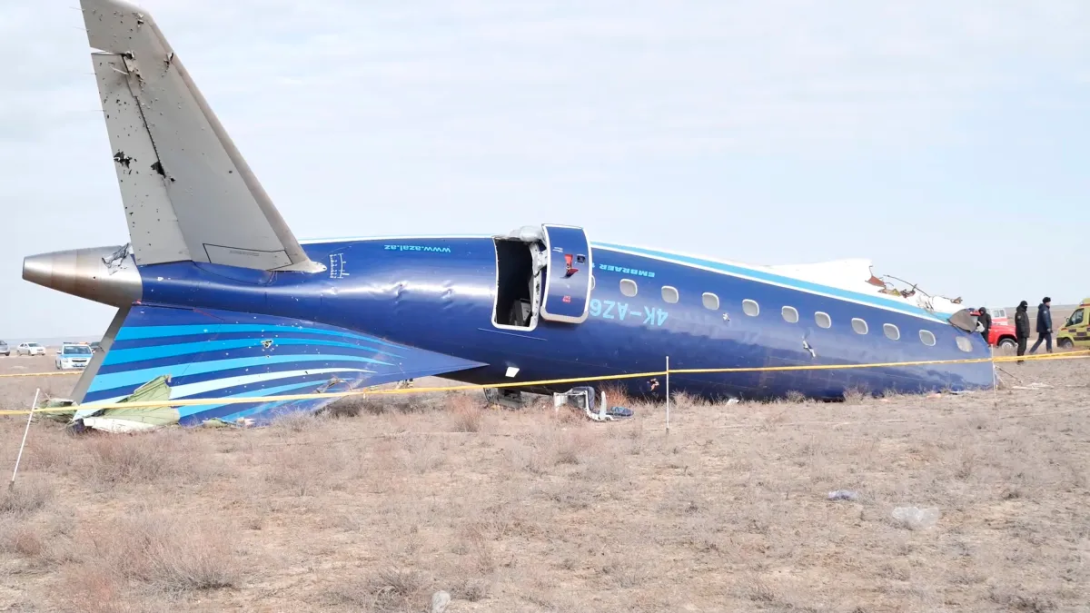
{"x":440,"y":294}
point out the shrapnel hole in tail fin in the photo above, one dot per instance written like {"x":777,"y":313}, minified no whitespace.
{"x":187,"y":191}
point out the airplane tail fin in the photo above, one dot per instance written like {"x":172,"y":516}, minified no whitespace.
{"x":187,"y":191}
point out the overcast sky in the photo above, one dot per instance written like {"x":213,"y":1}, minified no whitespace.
{"x":947,"y":141}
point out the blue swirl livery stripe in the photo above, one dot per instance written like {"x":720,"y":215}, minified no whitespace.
{"x":139,"y":354}
{"x":186,"y":345}
{"x":165,"y":331}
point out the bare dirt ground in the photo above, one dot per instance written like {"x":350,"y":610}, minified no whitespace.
{"x":524,"y":511}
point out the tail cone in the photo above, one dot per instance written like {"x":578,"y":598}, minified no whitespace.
{"x":103,"y":274}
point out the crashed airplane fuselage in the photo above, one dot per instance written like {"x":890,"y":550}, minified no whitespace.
{"x":215,"y":291}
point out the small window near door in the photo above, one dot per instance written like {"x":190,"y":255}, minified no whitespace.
{"x":628,"y":287}
{"x":964,"y":344}
{"x":751,"y":308}
{"x":927,"y":337}
{"x":859,"y":326}
{"x":669,"y":294}
{"x":823,"y":320}
{"x":892,"y":332}
{"x":790,"y":314}
{"x":1076,"y":318}
{"x":711,"y":301}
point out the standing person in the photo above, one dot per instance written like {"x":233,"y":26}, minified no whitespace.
{"x":985,"y":320}
{"x":1044,"y":325}
{"x":1021,"y":327}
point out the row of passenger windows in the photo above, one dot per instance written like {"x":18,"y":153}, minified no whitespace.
{"x":791,"y":315}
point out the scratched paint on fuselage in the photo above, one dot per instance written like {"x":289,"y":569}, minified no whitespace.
{"x":441,"y":299}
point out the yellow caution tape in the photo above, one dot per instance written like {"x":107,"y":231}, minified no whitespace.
{"x":40,"y":374}
{"x":466,"y":387}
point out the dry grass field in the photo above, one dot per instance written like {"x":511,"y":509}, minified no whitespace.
{"x":378,"y":508}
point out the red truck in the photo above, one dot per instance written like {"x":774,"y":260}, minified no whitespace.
{"x":1001,"y":333}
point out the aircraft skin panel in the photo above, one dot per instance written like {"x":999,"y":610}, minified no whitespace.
{"x":438,"y":294}
{"x":262,"y":356}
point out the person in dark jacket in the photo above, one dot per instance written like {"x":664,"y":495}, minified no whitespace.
{"x":985,"y":320}
{"x":1044,"y":325}
{"x":1021,"y":327}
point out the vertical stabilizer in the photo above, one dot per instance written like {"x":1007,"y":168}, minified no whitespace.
{"x":187,"y":191}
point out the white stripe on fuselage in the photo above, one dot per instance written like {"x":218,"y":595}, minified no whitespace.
{"x":220,"y":384}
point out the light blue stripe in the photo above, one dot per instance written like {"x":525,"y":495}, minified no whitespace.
{"x":259,"y":409}
{"x":139,"y":377}
{"x":186,"y":411}
{"x":138,"y":354}
{"x":135,"y":332}
{"x":774,"y":278}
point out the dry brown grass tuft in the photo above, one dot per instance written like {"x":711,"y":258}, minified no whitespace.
{"x":167,"y":552}
{"x":466,"y":414}
{"x":90,"y":588}
{"x":170,"y":552}
{"x":391,"y":590}
{"x":853,"y":396}
{"x":27,"y":495}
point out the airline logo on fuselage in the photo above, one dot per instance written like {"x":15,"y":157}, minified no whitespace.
{"x":626,"y":271}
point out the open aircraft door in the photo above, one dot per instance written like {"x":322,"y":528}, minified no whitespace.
{"x":568,"y":275}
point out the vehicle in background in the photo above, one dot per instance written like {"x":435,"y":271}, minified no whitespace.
{"x":1002,"y":333}
{"x":73,"y":355}
{"x":999,"y":316}
{"x":96,"y":346}
{"x":29,"y":349}
{"x":4,"y":349}
{"x":1076,"y":332}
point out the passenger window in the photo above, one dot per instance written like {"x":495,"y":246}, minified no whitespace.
{"x":964,"y":344}
{"x":711,"y":301}
{"x":592,"y":282}
{"x":628,"y":287}
{"x":892,"y":332}
{"x":823,"y":320}
{"x":927,"y":337}
{"x":859,"y":326}
{"x":751,"y":308}
{"x":669,"y":294}
{"x":790,"y":315}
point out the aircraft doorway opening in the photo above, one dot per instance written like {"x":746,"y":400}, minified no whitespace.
{"x":517,"y":285}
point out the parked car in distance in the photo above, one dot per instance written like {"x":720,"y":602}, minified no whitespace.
{"x":4,"y":349}
{"x":29,"y":349}
{"x":1001,"y":333}
{"x":73,"y":355}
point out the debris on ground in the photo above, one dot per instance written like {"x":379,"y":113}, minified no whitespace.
{"x":123,"y":419}
{"x":439,"y":602}
{"x":915,"y":518}
{"x":1032,"y":386}
{"x":584,"y":398}
{"x":844,"y":495}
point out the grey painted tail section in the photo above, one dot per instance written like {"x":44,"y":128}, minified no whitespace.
{"x":187,"y":191}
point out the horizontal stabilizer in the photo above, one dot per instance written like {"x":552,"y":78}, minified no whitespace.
{"x":220,"y":354}
{"x":187,"y":191}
